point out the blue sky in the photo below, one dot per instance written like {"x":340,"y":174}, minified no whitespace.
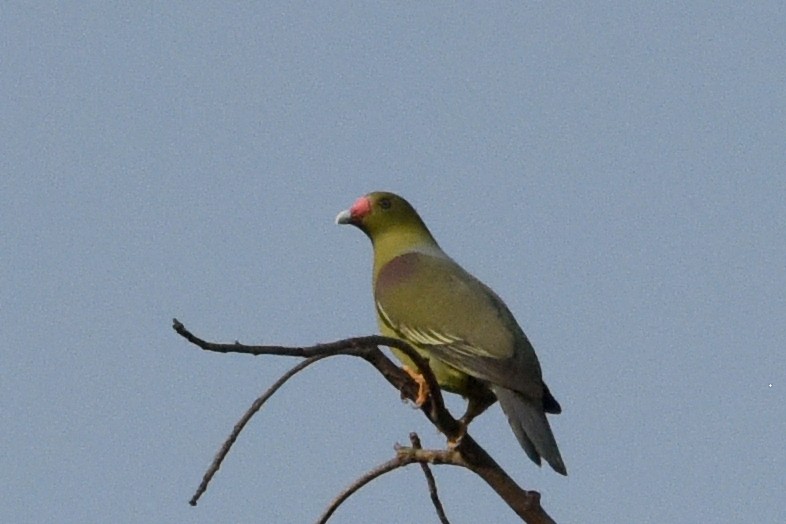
{"x":615,"y":171}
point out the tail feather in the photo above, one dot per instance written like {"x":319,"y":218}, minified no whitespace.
{"x":526,"y":443}
{"x":531,"y":428}
{"x":550,"y":404}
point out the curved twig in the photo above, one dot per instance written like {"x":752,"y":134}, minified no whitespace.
{"x":402,"y":459}
{"x":250,"y":412}
{"x":380,"y":470}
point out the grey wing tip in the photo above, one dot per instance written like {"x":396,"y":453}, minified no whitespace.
{"x":558,"y":466}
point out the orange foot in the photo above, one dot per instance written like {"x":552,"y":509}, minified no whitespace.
{"x":423,"y":390}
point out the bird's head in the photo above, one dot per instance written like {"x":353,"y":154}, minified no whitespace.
{"x":382,"y":215}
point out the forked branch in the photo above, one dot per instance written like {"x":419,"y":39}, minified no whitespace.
{"x":467,"y":453}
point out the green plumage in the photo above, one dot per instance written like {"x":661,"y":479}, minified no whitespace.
{"x":473,"y":342}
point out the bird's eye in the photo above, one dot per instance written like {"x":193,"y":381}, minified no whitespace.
{"x":385,"y":203}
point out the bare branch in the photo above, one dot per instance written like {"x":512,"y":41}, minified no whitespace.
{"x":467,"y":453}
{"x":366,"y":348}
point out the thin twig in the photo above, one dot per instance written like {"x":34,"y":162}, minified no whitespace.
{"x":432,"y":484}
{"x":380,"y":470}
{"x":256,"y":406}
{"x":404,"y":457}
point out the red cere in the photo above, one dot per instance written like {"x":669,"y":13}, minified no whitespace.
{"x":360,"y":208}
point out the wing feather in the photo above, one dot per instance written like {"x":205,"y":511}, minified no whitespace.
{"x":436,"y":305}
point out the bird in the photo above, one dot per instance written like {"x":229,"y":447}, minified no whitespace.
{"x":471,"y":340}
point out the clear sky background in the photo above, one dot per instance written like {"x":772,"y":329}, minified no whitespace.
{"x":615,"y":171}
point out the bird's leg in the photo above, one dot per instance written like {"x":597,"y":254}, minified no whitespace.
{"x":423,"y":389}
{"x":476,"y":404}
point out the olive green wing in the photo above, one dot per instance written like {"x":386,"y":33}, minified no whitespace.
{"x":436,"y":305}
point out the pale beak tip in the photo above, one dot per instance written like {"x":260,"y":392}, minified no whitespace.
{"x":345,"y":217}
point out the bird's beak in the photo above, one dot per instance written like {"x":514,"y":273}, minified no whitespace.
{"x":345,"y":217}
{"x":356,"y":213}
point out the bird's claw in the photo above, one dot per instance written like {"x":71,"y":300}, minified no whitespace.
{"x":423,"y":389}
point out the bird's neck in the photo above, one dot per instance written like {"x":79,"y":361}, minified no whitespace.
{"x":388,"y":246}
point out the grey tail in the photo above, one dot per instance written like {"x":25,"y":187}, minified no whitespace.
{"x":531,"y":428}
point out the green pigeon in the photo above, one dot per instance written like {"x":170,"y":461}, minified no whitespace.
{"x":473,"y":343}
